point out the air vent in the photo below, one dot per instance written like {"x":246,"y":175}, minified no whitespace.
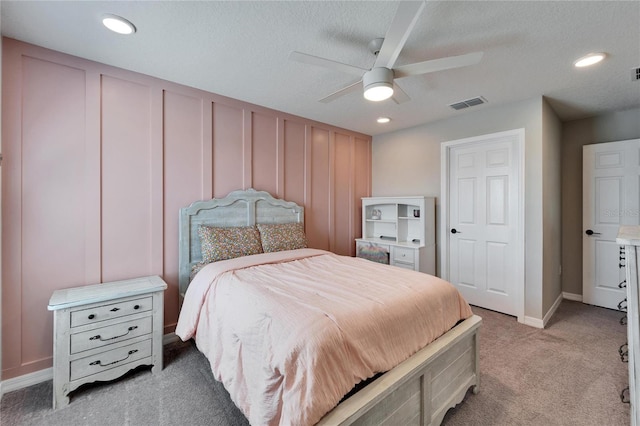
{"x":468,"y":103}
{"x":635,"y":74}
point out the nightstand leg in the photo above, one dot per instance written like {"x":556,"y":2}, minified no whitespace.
{"x":60,"y":399}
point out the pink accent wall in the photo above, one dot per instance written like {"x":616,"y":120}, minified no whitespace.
{"x":98,"y":161}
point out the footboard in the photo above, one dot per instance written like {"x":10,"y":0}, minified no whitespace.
{"x":420,"y":390}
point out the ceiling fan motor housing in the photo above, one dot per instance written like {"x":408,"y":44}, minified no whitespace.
{"x":377,"y":77}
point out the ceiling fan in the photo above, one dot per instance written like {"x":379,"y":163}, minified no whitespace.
{"x":379,"y":81}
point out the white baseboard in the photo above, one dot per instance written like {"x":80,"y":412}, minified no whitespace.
{"x":533,"y":322}
{"x":26,"y":380}
{"x":542,"y":323}
{"x":552,"y":311}
{"x":170,"y":338}
{"x":40,"y":376}
{"x":572,"y":296}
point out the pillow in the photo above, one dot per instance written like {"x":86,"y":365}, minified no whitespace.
{"x":282,"y":236}
{"x":228,"y":243}
{"x":195,"y":268}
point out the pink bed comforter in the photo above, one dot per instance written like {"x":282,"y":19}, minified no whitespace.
{"x":290,"y":333}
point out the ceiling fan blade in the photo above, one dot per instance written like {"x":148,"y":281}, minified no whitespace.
{"x":326,"y":63}
{"x":397,"y":34}
{"x":335,"y":95}
{"x":437,"y":65}
{"x":399,"y":95}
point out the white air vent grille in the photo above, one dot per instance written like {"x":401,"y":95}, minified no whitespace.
{"x":468,"y":103}
{"x":635,"y":74}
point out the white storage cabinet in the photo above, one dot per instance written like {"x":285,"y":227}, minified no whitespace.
{"x":629,"y":237}
{"x":102,"y":331}
{"x":404,"y":227}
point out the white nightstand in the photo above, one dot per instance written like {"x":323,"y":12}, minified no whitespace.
{"x":102,"y":331}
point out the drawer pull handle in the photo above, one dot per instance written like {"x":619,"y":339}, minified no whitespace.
{"x":92,"y":316}
{"x":136,"y":307}
{"x":98,"y":362}
{"x":115,"y":309}
{"x":625,"y":397}
{"x":130,"y":329}
{"x":622,"y":306}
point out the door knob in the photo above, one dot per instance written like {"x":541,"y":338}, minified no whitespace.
{"x":455,"y":231}
{"x":590,"y":232}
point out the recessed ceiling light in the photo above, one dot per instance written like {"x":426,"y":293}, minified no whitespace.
{"x":118,"y":24}
{"x":590,"y":59}
{"x":383,"y":120}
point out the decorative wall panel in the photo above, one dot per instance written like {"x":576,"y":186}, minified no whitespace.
{"x":317,"y":220}
{"x":98,"y":161}
{"x":126,"y":180}
{"x":52,"y":191}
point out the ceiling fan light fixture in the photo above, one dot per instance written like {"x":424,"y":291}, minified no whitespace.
{"x":590,"y":59}
{"x":378,"y":92}
{"x":118,"y":24}
{"x":378,"y":84}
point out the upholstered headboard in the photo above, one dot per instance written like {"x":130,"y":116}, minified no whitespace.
{"x":239,"y":208}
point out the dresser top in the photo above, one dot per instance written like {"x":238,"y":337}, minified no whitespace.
{"x":77,"y":296}
{"x":629,"y":235}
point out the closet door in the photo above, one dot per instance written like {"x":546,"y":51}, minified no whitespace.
{"x":482,"y":229}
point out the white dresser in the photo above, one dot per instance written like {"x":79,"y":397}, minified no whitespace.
{"x":629,"y":237}
{"x":102,"y":331}
{"x":399,"y":231}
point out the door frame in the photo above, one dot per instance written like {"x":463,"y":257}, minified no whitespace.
{"x":443,"y":239}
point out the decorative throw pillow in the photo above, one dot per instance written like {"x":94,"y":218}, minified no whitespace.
{"x":282,"y":236}
{"x":228,"y":243}
{"x":195,"y":268}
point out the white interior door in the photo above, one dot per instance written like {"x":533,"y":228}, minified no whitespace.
{"x":483,"y":223}
{"x":611,"y":191}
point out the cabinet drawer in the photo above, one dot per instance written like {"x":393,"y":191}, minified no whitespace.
{"x":107,"y":360}
{"x":405,"y":265}
{"x":111,"y":334}
{"x":114,"y":310}
{"x":403,"y":255}
{"x":373,"y":251}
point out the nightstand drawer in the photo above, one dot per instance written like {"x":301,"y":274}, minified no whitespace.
{"x":111,"y":334}
{"x":403,"y":254}
{"x":95,"y":364}
{"x":115,"y":310}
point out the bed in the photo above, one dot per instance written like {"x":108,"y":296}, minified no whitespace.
{"x":417,"y":390}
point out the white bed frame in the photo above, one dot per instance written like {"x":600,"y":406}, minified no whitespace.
{"x":419,"y":391}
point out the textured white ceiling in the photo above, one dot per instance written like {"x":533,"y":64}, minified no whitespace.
{"x":240,"y":49}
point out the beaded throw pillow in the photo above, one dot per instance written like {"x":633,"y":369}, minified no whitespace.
{"x":282,"y":236}
{"x":228,"y":243}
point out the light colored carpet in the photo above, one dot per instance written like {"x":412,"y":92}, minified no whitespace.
{"x":567,"y":374}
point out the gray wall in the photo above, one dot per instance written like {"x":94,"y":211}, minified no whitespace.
{"x":407,"y":162}
{"x":551,"y":207}
{"x":575,"y":134}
